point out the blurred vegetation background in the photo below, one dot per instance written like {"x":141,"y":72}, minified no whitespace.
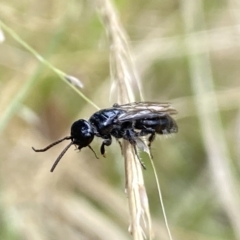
{"x":185,"y":52}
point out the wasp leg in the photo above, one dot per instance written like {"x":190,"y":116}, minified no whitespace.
{"x":120,"y":144}
{"x":151,"y":138}
{"x":147,"y":131}
{"x":130,"y":135}
{"x":106,"y":142}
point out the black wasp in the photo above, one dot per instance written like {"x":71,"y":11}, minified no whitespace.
{"x":128,"y":121}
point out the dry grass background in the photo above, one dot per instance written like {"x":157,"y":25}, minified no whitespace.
{"x":186,"y":52}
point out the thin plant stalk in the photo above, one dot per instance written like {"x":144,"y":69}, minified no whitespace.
{"x":123,"y":74}
{"x":73,"y":82}
{"x":208,"y":112}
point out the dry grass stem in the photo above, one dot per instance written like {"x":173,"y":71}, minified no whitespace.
{"x":211,"y":126}
{"x":147,"y":51}
{"x":2,"y":37}
{"x":124,"y":76}
{"x":122,"y":68}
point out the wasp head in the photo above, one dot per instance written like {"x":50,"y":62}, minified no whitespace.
{"x":81,"y":133}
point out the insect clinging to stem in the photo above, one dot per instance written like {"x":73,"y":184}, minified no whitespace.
{"x":128,"y":121}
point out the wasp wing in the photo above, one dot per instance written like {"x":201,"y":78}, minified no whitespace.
{"x":138,"y":114}
{"x":154,"y":106}
{"x":143,"y":110}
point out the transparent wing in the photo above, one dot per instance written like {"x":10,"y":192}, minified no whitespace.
{"x":155,"y":106}
{"x":140,"y":110}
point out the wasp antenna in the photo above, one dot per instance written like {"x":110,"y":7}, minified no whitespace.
{"x":93,"y":152}
{"x":51,"y":145}
{"x":60,"y":156}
